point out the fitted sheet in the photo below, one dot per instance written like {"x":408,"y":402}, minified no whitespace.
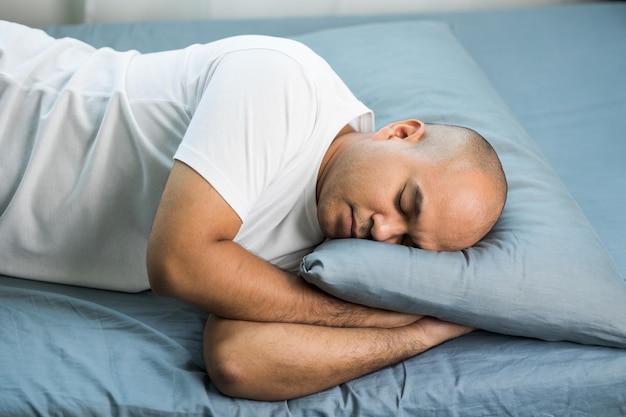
{"x":77,"y":351}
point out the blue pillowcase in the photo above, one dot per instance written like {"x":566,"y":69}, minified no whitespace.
{"x":542,"y":272}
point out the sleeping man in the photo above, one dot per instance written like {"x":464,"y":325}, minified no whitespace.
{"x":226,"y":163}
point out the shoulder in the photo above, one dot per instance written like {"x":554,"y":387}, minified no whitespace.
{"x":260,"y":51}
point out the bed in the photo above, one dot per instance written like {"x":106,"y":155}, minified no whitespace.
{"x":558,"y":73}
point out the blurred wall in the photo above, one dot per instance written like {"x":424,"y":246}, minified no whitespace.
{"x":55,"y":12}
{"x":43,"y":12}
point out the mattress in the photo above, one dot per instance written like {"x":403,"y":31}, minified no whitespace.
{"x":77,"y":351}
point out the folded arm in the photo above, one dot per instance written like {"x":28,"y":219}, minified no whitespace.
{"x":278,"y":361}
{"x":192,"y":256}
{"x":266,"y":324}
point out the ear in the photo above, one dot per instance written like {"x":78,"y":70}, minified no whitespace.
{"x":411,"y":129}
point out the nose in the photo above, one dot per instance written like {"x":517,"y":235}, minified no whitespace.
{"x":388,"y":228}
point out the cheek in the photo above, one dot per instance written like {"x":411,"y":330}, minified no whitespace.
{"x":363,"y":180}
{"x":323,"y":219}
{"x":328,"y":207}
{"x":342,"y":184}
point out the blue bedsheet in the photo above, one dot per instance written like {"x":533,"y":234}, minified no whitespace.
{"x":82,"y":352}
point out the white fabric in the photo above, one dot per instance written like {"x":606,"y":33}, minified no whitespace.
{"x":87,"y":138}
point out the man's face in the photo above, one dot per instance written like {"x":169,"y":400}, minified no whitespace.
{"x":383,"y":190}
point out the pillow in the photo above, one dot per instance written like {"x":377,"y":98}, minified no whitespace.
{"x":542,"y":272}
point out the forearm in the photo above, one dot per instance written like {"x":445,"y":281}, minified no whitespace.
{"x":246,"y":287}
{"x":293,"y":360}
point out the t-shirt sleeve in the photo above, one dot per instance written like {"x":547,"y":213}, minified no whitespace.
{"x":256,"y":111}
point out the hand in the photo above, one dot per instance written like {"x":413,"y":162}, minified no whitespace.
{"x":390,"y":319}
{"x":431,"y":332}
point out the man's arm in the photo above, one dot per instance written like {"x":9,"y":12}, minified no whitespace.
{"x":267,"y":346}
{"x":192,"y":256}
{"x":278,"y":361}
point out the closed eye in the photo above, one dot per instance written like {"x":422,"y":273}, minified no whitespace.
{"x":399,"y":202}
{"x":419,"y":198}
{"x":415,"y":210}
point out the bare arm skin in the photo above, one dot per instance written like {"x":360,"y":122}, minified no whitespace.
{"x":278,"y":361}
{"x":279,"y":338}
{"x":191,"y":256}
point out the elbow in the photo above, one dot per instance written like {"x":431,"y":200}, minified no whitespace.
{"x":229,"y":364}
{"x":227,"y":377}
{"x":238,"y":367}
{"x":159,"y":284}
{"x":160,"y":280}
{"x":220,"y":359}
{"x":162,"y":275}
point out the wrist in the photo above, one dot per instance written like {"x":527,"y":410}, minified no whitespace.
{"x":334,"y":312}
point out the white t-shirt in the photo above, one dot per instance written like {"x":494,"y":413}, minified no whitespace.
{"x":87,"y":138}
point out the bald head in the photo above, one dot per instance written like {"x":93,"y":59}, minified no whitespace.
{"x":473,"y":183}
